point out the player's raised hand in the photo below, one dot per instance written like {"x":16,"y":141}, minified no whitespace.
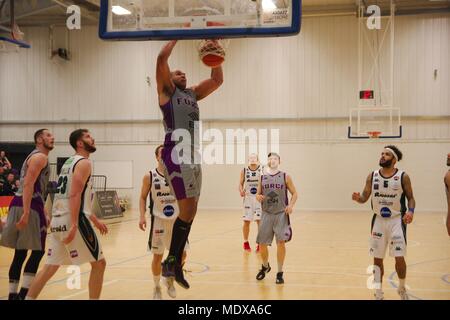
{"x":142,"y":223}
{"x":356,"y":196}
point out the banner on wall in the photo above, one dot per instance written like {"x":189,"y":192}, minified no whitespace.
{"x":4,"y":206}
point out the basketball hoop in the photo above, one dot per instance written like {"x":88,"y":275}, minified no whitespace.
{"x":212,"y":52}
{"x":374,"y":134}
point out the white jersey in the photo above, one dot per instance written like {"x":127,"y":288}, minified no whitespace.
{"x":163,"y":203}
{"x":61,"y":202}
{"x":388,"y":198}
{"x":251,"y":181}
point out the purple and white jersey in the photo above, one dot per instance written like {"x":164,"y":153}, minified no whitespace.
{"x":40,"y":186}
{"x":274,"y":190}
{"x":182,"y":112}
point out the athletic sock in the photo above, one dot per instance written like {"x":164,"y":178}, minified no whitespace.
{"x":26,"y":282}
{"x":401,"y":283}
{"x":280,"y":267}
{"x":179,"y":236}
{"x":157,"y":279}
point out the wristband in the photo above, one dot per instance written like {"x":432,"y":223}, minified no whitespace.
{"x":411,"y":210}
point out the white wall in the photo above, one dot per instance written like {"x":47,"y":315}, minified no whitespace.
{"x":310,"y":79}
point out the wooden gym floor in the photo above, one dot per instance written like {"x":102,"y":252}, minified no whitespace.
{"x":326,"y":259}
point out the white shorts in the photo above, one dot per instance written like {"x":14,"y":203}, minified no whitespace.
{"x":387,"y":232}
{"x":84,"y":248}
{"x":161,"y":235}
{"x":252,"y":209}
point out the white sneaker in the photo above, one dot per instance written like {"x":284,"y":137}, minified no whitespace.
{"x":403,"y":294}
{"x":379,"y":295}
{"x":157,"y":293}
{"x":171,"y":291}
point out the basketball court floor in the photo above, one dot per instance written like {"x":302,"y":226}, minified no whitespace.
{"x":326,"y":259}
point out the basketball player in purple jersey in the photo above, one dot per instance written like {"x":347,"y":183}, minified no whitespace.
{"x":26,"y":226}
{"x":181,"y":115}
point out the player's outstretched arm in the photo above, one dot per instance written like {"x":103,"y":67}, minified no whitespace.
{"x":145,"y":189}
{"x":362,"y":198}
{"x":80,"y":177}
{"x":407,"y":188}
{"x":164,"y":83}
{"x":208,"y":86}
{"x":36,"y":163}
{"x":294,"y":195}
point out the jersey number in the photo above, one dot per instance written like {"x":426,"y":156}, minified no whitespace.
{"x":62,"y":185}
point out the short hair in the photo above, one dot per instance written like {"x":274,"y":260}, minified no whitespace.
{"x":397,"y":151}
{"x":38,"y":134}
{"x":157,"y":149}
{"x":75,"y":136}
{"x":274,"y":154}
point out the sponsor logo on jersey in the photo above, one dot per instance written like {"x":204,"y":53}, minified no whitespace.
{"x":385,"y":212}
{"x":49,"y":252}
{"x":59,"y":229}
{"x":384,"y":195}
{"x":253,"y":174}
{"x":376,"y":186}
{"x":168,"y":211}
{"x":157,"y":186}
{"x":396,"y":178}
{"x":73,"y":253}
{"x":160,"y":231}
{"x":162,"y":194}
{"x":253,"y":190}
{"x":398,"y":249}
{"x":376,"y":180}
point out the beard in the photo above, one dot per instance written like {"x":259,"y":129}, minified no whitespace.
{"x":48,"y":146}
{"x":89,"y":148}
{"x":386,"y":164}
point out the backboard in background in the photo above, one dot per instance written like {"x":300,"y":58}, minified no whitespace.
{"x":198,"y":19}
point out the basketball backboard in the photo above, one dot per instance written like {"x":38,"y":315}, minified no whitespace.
{"x":198,"y":19}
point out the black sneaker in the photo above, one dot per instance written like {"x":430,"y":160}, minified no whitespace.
{"x":13,"y":296}
{"x":262,"y":273}
{"x":168,"y":267}
{"x":280,"y":279}
{"x":179,"y":277}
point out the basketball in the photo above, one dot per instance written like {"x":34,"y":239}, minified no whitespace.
{"x":212,"y":60}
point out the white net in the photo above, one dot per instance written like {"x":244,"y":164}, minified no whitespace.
{"x":215,"y":47}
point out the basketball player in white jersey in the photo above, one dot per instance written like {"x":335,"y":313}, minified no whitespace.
{"x":276,"y":208}
{"x":447,"y":191}
{"x":389,"y":186}
{"x":73,"y":240}
{"x":248,"y":187}
{"x":181,"y":113}
{"x":163,"y":210}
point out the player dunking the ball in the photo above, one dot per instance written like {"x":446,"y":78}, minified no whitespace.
{"x":181,"y":114}
{"x":389,"y":187}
